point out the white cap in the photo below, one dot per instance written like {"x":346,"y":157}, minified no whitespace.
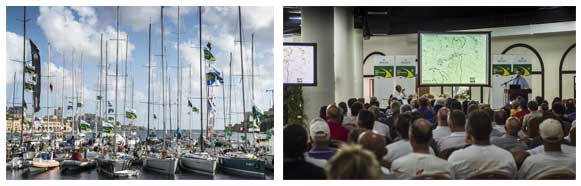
{"x":320,"y":128}
{"x":551,"y":130}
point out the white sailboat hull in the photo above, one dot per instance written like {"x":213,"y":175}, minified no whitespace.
{"x":164,"y":166}
{"x":204,"y":166}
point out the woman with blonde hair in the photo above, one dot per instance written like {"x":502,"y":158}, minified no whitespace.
{"x":352,"y":162}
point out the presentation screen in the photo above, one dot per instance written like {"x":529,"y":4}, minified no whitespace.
{"x":454,"y":58}
{"x":300,"y":64}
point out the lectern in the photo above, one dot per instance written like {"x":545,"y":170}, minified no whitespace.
{"x":514,"y":93}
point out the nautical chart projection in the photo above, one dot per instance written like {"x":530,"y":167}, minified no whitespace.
{"x":454,"y":59}
{"x":299,"y":63}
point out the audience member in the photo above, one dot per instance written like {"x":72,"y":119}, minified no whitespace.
{"x":553,"y":158}
{"x":457,"y":139}
{"x":420,"y":162}
{"x":402,"y":146}
{"x":338,"y":132}
{"x":295,"y":167}
{"x":320,"y":136}
{"x":378,"y":126}
{"x":509,"y":141}
{"x":442,"y":130}
{"x":351,"y":120}
{"x":481,"y":156}
{"x":424,"y":109}
{"x":351,"y":162}
{"x":376,"y":144}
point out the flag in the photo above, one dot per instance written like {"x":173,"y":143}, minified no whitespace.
{"x":107,"y":127}
{"x":209,"y":46}
{"x":110,"y":109}
{"x":190,"y":103}
{"x":50,"y":87}
{"x":211,"y":105}
{"x":29,"y":86}
{"x":37,"y":88}
{"x":195,"y":109}
{"x":179,"y":133}
{"x":84,"y":126}
{"x":229,"y":131}
{"x":80,"y":104}
{"x":257,"y":115}
{"x":208,"y":55}
{"x":30,"y":70}
{"x":24,"y":105}
{"x":37,"y":120}
{"x":110,"y":119}
{"x":214,"y":78}
{"x":99,"y":98}
{"x":130,"y":114}
{"x":70,"y":105}
{"x":154,"y":116}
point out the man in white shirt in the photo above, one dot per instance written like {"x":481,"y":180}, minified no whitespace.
{"x":402,"y":147}
{"x":399,"y":94}
{"x":420,"y":162}
{"x":457,"y":139}
{"x":350,"y":120}
{"x":481,"y":157}
{"x":376,"y":144}
{"x":442,"y":130}
{"x":498,"y":127}
{"x":553,"y":157}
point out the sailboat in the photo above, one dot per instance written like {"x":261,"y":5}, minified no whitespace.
{"x":163,"y":161}
{"x":116,"y":164}
{"x":238,"y":162}
{"x":200,"y":162}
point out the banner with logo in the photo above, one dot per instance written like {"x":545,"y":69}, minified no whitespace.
{"x":383,"y":78}
{"x":406,"y":73}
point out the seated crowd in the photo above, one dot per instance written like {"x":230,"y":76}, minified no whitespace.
{"x":434,"y":138}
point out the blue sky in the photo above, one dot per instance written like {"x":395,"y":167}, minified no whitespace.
{"x":79,"y":29}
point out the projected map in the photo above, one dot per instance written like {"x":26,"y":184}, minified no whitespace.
{"x":453,"y":59}
{"x":299,"y":64}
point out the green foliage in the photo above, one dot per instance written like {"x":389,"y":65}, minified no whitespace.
{"x":293,"y":106}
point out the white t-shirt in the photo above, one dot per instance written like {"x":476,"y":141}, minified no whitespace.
{"x":417,"y":164}
{"x":441,"y":132}
{"x":477,"y":159}
{"x":536,"y":165}
{"x":349,"y":121}
{"x":398,"y":149}
{"x":454,"y":140}
{"x":381,"y":129}
{"x":541,"y":149}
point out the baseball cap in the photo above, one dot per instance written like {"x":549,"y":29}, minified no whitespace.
{"x":551,"y":130}
{"x":320,"y":128}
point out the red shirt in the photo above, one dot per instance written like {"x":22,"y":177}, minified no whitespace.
{"x":338,"y":132}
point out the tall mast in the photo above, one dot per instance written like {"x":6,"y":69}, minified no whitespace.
{"x":116,"y":83}
{"x":242,"y":76}
{"x":252,"y":67}
{"x":163,"y":81}
{"x":148,"y":78}
{"x":22,"y":115}
{"x":230,"y":93}
{"x":179,"y":108}
{"x":13,"y":103}
{"x":125,"y":81}
{"x":48,"y":85}
{"x":100,"y":100}
{"x":107,"y":79}
{"x":201,"y":142}
{"x":73,"y":90}
{"x":63,"y":88}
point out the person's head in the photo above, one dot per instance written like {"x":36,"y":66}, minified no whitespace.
{"x":512,"y":126}
{"x":365,"y":119}
{"x":519,"y":72}
{"x":402,"y":123}
{"x":405,"y":108}
{"x":333,"y":113}
{"x":375,"y":111}
{"x":551,"y":132}
{"x":352,"y":162}
{"x":351,"y":101}
{"x":570,"y":105}
{"x":455,"y":105}
{"x":558,"y":108}
{"x":373,"y":142}
{"x":398,"y":88}
{"x":424,"y":102}
{"x":361,"y":100}
{"x":545,"y":106}
{"x":539,"y":100}
{"x":355,"y":108}
{"x":323,"y":112}
{"x":440,"y":101}
{"x":532,"y":106}
{"x":471,"y":108}
{"x":320,"y":133}
{"x":395,"y":106}
{"x":353,"y":135}
{"x":523,"y":104}
{"x":457,"y":120}
{"x":343,"y":107}
{"x":478,"y":126}
{"x":442,"y":116}
{"x":420,"y":132}
{"x":295,"y":141}
{"x":373,"y":101}
{"x":499,"y":117}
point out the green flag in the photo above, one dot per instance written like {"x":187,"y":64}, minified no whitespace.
{"x":84,"y":126}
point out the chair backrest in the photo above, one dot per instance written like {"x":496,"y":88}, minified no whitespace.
{"x":445,"y":154}
{"x":432,"y":177}
{"x":533,"y":128}
{"x":560,"y":174}
{"x":492,"y":175}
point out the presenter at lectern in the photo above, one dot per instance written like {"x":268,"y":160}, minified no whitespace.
{"x":399,"y":95}
{"x":519,"y":80}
